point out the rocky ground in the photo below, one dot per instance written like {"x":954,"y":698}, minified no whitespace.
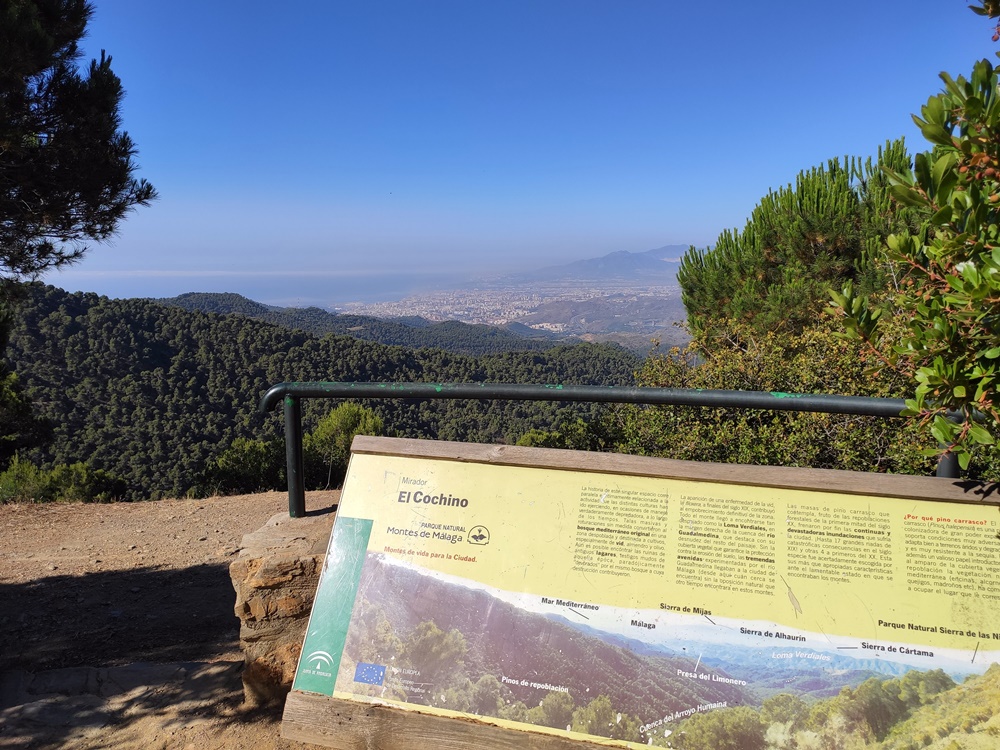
{"x":117,"y":625}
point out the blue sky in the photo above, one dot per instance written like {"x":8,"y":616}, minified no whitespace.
{"x":297,"y":148}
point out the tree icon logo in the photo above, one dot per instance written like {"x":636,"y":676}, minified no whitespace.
{"x":479,"y":535}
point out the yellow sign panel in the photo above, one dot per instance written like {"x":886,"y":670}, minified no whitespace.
{"x":620,"y":606}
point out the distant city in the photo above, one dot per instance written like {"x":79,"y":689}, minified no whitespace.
{"x":626,"y":297}
{"x":562,"y":309}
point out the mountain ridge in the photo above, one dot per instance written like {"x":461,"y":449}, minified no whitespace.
{"x":657,"y":265}
{"x":414,"y":332}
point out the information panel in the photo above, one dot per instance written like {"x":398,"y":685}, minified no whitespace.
{"x":648,"y":610}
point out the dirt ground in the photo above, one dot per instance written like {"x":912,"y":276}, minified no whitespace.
{"x":117,"y":627}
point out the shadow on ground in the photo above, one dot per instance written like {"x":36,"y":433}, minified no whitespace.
{"x":118,"y":617}
{"x":131,"y":650}
{"x":124,"y":707}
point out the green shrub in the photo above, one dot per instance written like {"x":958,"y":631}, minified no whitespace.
{"x":247,"y":466}
{"x":813,"y":361}
{"x":23,"y":482}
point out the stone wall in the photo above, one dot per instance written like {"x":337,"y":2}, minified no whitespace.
{"x":275,"y":577}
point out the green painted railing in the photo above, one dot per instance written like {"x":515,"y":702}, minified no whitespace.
{"x":291,"y":394}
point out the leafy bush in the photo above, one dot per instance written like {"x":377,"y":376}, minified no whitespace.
{"x":259,"y":465}
{"x":328,"y":447}
{"x":815,"y":361}
{"x":26,"y":483}
{"x":247,"y":466}
{"x":949,"y":294}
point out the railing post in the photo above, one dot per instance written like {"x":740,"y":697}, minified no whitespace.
{"x":948,"y":466}
{"x":293,"y":457}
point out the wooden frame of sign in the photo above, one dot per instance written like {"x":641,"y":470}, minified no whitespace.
{"x":557,"y":581}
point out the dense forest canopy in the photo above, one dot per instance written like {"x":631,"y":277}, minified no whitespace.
{"x":153,"y":393}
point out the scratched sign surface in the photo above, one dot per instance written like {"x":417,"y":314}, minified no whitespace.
{"x":625,"y":607}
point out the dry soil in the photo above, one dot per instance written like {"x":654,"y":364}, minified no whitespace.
{"x":117,"y":625}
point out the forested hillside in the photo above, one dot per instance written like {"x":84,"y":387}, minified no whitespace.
{"x":450,"y":335}
{"x":152,"y":393}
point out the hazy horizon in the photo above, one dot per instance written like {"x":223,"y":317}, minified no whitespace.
{"x":293,"y":288}
{"x":460,"y":138}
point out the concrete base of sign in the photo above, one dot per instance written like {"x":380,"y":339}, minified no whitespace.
{"x":275,"y":578}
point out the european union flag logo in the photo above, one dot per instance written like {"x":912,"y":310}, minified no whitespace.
{"x":370,"y":674}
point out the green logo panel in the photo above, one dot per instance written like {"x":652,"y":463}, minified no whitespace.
{"x":331,"y":614}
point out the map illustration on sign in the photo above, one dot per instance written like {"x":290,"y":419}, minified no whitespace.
{"x":647,"y":611}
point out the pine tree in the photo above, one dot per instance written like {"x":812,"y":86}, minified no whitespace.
{"x":799,"y":242}
{"x":66,"y":167}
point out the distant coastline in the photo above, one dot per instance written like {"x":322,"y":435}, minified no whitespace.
{"x":335,"y":289}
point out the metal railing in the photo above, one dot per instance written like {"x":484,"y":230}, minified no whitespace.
{"x":291,"y":394}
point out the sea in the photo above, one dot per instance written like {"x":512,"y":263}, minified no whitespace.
{"x":297,"y":289}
